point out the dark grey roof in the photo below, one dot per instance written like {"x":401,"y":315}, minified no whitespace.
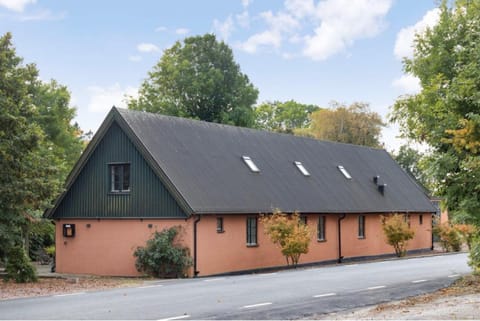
{"x":203,"y":166}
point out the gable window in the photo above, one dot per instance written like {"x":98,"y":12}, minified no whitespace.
{"x":250,"y":164}
{"x":361,"y":226}
{"x":420,"y":218}
{"x":302,"y":168}
{"x":119,"y":178}
{"x":251,"y":231}
{"x":220,"y":225}
{"x":303,"y":219}
{"x":321,"y":228}
{"x":344,"y":172}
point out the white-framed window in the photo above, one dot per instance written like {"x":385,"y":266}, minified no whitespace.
{"x":249,"y":162}
{"x":302,"y":168}
{"x":344,"y":172}
{"x":119,"y":178}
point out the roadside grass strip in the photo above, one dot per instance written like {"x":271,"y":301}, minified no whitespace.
{"x":256,"y":305}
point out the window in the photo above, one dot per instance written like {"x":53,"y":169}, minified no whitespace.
{"x":251,"y":231}
{"x":344,"y":172}
{"x":303,"y":219}
{"x":119,"y":178}
{"x":361,"y":226}
{"x":302,"y":168}
{"x":321,"y":229}
{"x":219,"y":224}
{"x":420,"y":218}
{"x":250,"y":164}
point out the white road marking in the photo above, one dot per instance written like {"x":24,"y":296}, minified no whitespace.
{"x":351,"y":265}
{"x":454,"y":275}
{"x":69,"y":294}
{"x":324,"y":295}
{"x":212,"y":280}
{"x":176,"y":318}
{"x":267,"y":274}
{"x":419,"y":281}
{"x":150,"y":286}
{"x":256,"y":305}
{"x":376,"y":287}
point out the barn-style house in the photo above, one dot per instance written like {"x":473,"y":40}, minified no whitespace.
{"x":144,"y":172}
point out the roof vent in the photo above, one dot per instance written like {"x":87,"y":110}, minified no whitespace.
{"x":375,"y":179}
{"x":381,"y":188}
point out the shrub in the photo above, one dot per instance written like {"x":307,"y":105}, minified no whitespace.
{"x":19,"y":267}
{"x":467,"y":232}
{"x":474,"y":256}
{"x":163,"y":256}
{"x":397,"y":232}
{"x":449,"y":237}
{"x":289,"y":233}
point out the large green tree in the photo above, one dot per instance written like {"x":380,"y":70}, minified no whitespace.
{"x":354,"y":124}
{"x":445,"y":114}
{"x":283,"y":117}
{"x":198,"y":78}
{"x":38,"y":145}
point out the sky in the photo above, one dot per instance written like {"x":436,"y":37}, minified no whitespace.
{"x":312,"y":51}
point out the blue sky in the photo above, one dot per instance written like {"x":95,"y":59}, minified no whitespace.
{"x":308,"y":50}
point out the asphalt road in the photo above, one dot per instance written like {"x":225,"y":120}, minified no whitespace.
{"x":283,"y":295}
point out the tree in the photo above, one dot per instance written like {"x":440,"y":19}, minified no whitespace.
{"x":198,"y":78}
{"x":283,"y":117}
{"x":354,"y":124}
{"x":397,"y":232}
{"x":289,"y":233}
{"x":33,"y":117}
{"x":415,"y":164}
{"x":163,"y":255}
{"x":445,"y":114}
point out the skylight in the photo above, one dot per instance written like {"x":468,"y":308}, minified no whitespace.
{"x":301,"y":168}
{"x":250,"y":164}
{"x":344,"y":172}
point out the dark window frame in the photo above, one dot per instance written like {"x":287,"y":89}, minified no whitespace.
{"x":252,"y":231}
{"x":220,"y":225}
{"x":361,"y":226}
{"x":420,"y":219}
{"x":303,"y":219}
{"x":321,"y":230}
{"x":119,"y":175}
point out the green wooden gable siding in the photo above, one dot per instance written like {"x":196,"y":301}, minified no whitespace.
{"x":90,"y":196}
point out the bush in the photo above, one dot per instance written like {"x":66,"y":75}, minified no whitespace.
{"x":467,"y":232}
{"x":163,"y":256}
{"x":397,"y":232}
{"x":289,"y":233}
{"x":449,"y":237}
{"x":19,"y":267}
{"x":474,"y":256}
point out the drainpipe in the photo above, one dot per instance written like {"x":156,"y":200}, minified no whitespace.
{"x":340,"y":218}
{"x":431,"y":224}
{"x":195,"y":272}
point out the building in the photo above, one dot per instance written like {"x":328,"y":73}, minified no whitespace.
{"x":143,"y":172}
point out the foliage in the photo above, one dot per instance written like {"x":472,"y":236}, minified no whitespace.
{"x":41,"y":234}
{"x":198,"y":78}
{"x":397,"y":232}
{"x":448,"y":236}
{"x":289,"y":233}
{"x":415,"y":164}
{"x":283,"y":117}
{"x":163,"y":256}
{"x":354,"y":124}
{"x":445,"y":114}
{"x":468,"y":233}
{"x":19,"y":267}
{"x":474,"y":256}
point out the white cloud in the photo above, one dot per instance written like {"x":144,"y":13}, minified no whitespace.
{"x":160,"y":29}
{"x":243,"y":19}
{"x":147,"y":47}
{"x":135,"y":58}
{"x":223,"y":29}
{"x":16,"y":5}
{"x":43,"y":15}
{"x":278,"y":24}
{"x":182,"y":31}
{"x":405,"y":37}
{"x":408,"y":84}
{"x":342,"y":22}
{"x":102,"y":99}
{"x":300,"y":8}
{"x":246,"y":3}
